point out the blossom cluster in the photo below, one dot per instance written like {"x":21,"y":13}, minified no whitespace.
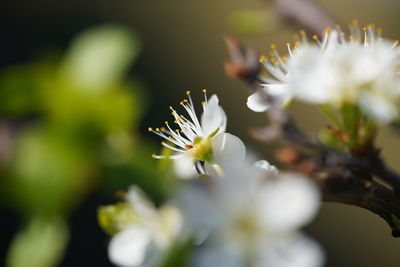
{"x":361,"y":69}
{"x":245,"y":214}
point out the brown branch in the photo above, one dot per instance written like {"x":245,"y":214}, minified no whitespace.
{"x":354,"y":184}
{"x":344,"y":187}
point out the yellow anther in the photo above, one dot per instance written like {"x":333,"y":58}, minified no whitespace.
{"x":153,"y":156}
{"x":188,"y":92}
{"x":157,"y":129}
{"x":171,"y":108}
{"x":262,"y":58}
{"x":150,"y":129}
{"x":273,"y":46}
{"x":327,"y":30}
{"x":315,"y":37}
{"x":166,"y":122}
{"x":181,"y":116}
{"x":204,"y":90}
{"x":365,"y":28}
{"x":162,"y":129}
{"x":176,"y":121}
{"x":203,"y":102}
{"x":185,"y":100}
{"x":288,"y":44}
{"x":302,"y":32}
{"x":177,"y":130}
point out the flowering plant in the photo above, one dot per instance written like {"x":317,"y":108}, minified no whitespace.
{"x":228,"y":210}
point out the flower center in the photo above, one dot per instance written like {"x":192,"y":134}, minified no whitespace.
{"x":201,"y":149}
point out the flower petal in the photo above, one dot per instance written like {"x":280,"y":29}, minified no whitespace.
{"x":140,"y":204}
{"x":381,"y":110}
{"x":213,"y":117}
{"x":218,"y":255}
{"x":266,"y":166}
{"x":184,"y":167}
{"x":256,"y":103}
{"x":288,"y":202}
{"x":129,"y":247}
{"x":228,"y":150}
{"x":294,"y":251}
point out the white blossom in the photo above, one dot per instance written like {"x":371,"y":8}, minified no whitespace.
{"x":253,"y":215}
{"x":143,"y":240}
{"x":199,"y":140}
{"x":362,"y":69}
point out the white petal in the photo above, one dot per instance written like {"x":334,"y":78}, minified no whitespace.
{"x":170,"y":224}
{"x":218,"y":256}
{"x":256,"y":103}
{"x":140,"y":204}
{"x":295,"y":251}
{"x":288,"y":202}
{"x":266,"y":166}
{"x":213,"y":117}
{"x":129,"y":247}
{"x":379,"y":109}
{"x":228,"y":150}
{"x":184,"y":167}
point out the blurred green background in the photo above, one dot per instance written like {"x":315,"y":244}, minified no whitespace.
{"x":180,"y":47}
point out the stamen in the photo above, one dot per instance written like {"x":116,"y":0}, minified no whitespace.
{"x":173,"y":148}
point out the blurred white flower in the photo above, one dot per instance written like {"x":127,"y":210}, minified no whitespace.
{"x":201,"y":140}
{"x":256,"y":213}
{"x":362,"y":69}
{"x":143,"y":240}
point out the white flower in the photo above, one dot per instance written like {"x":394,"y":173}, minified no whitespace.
{"x":201,"y":140}
{"x":256,"y":213}
{"x":143,"y":240}
{"x":337,"y":70}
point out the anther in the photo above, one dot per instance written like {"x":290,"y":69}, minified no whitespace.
{"x":188,"y":92}
{"x":150,"y":129}
{"x":204,"y":90}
